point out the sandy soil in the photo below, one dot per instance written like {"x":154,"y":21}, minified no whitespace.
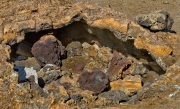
{"x":131,"y":8}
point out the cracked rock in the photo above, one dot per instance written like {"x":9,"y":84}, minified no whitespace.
{"x":155,"y":21}
{"x":49,"y":73}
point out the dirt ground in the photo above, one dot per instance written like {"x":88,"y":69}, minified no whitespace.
{"x":131,"y":8}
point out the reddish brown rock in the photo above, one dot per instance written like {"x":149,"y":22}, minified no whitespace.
{"x":118,"y":65}
{"x":95,"y":81}
{"x":48,"y":50}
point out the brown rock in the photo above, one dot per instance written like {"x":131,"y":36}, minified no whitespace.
{"x":48,"y":50}
{"x":118,"y":65}
{"x":95,"y":81}
{"x":30,"y":62}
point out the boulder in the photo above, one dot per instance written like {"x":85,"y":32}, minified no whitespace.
{"x":48,"y":50}
{"x":94,"y":80}
{"x":155,"y":21}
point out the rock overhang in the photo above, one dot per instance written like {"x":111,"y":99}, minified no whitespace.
{"x":156,"y":44}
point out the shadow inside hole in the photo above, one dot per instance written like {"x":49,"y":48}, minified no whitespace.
{"x":80,"y":31}
{"x":41,"y":82}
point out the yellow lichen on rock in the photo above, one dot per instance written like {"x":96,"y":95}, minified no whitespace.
{"x":129,"y":85}
{"x":110,"y":23}
{"x":156,"y":50}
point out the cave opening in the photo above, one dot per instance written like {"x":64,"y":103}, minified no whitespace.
{"x":81,"y":32}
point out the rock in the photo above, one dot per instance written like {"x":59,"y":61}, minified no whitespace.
{"x":76,"y":97}
{"x":90,"y":51}
{"x":137,"y":68}
{"x":112,"y":97}
{"x":24,"y":73}
{"x":30,"y":62}
{"x":74,"y":49}
{"x":49,"y":73}
{"x":20,"y":58}
{"x":130,"y":84}
{"x":155,"y":21}
{"x":24,"y":49}
{"x":94,"y":80}
{"x":69,"y":80}
{"x":149,"y":77}
{"x":35,"y":87}
{"x":48,"y":50}
{"x":57,"y":92}
{"x":104,"y":54}
{"x":118,"y":65}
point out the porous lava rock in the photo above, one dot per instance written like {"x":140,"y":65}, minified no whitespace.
{"x":49,"y":73}
{"x":94,"y":80}
{"x":113,"y":97}
{"x":48,"y":50}
{"x":155,"y":21}
{"x":118,"y":65}
{"x":74,"y":48}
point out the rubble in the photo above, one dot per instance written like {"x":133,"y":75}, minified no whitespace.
{"x":77,"y":80}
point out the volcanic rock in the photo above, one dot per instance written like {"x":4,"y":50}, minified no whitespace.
{"x":130,"y":84}
{"x":74,"y":49}
{"x":49,"y":73}
{"x":30,"y":62}
{"x":117,"y":65}
{"x":95,"y":81}
{"x":57,"y":91}
{"x":113,"y":97}
{"x":76,"y":97}
{"x":155,"y":21}
{"x":48,"y":50}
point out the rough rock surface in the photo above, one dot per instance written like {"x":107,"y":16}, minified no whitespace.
{"x":155,"y":21}
{"x":49,"y":73}
{"x":113,"y":97}
{"x":118,"y":66}
{"x":105,"y":26}
{"x":48,"y":50}
{"x":74,"y":49}
{"x":30,"y":62}
{"x":95,"y":81}
{"x":129,"y":85}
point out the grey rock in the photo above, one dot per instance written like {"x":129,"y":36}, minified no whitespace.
{"x":114,"y":97}
{"x":76,"y":97}
{"x":155,"y":21}
{"x":19,"y":58}
{"x":74,"y":48}
{"x":49,"y":73}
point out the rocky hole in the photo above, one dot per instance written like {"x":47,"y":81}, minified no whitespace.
{"x":80,"y":57}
